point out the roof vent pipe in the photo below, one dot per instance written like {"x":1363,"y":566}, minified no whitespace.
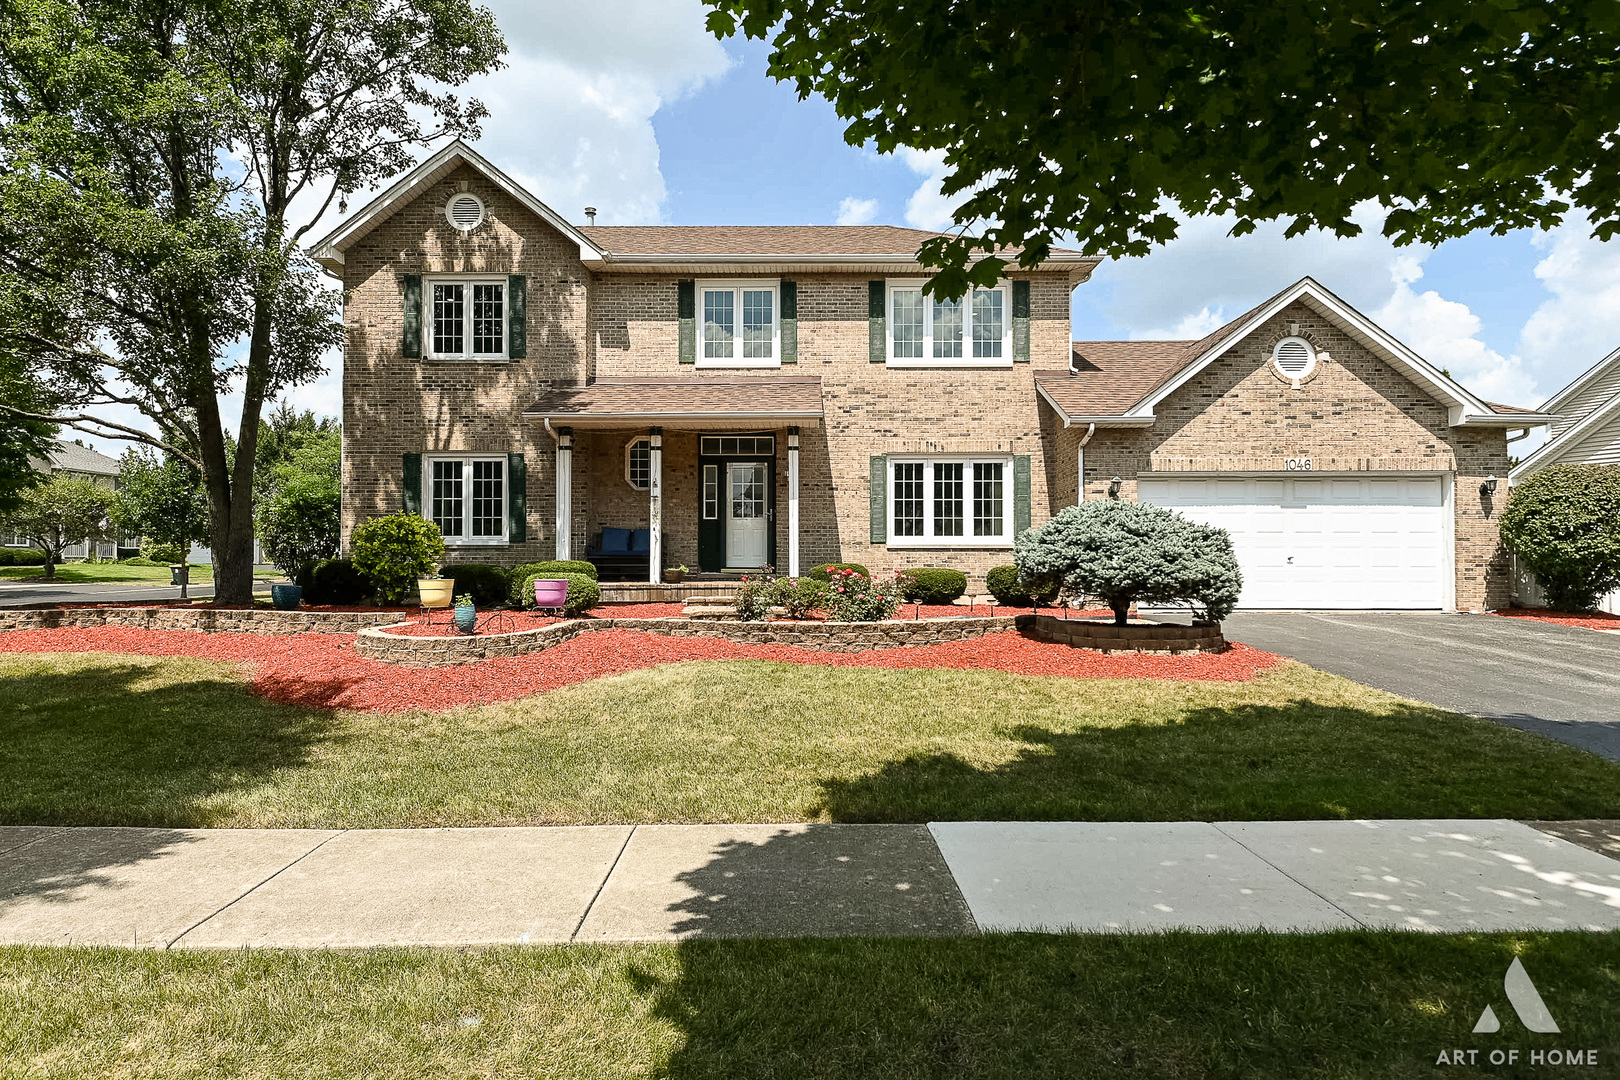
{"x":590,"y":215}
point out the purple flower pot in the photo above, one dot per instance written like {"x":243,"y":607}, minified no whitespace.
{"x":550,"y":592}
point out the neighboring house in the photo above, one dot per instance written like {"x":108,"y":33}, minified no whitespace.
{"x":786,"y":396}
{"x":1586,"y":432}
{"x":71,"y":459}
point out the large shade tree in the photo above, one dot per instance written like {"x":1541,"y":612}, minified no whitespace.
{"x":1102,"y":118}
{"x":160,"y":162}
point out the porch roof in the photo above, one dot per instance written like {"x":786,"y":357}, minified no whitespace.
{"x":693,"y":401}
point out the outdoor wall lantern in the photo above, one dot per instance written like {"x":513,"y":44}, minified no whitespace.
{"x":1488,"y":486}
{"x":1113,"y":487}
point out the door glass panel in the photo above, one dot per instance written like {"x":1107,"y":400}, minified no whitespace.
{"x":748,"y":491}
{"x":711,"y":492}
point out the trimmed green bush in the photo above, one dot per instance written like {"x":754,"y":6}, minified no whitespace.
{"x":824,"y":571}
{"x":334,"y":581}
{"x":583,"y":592}
{"x":1127,"y":552}
{"x":1010,"y":590}
{"x":395,"y":551}
{"x":549,"y":568}
{"x":164,"y":554}
{"x":21,"y":557}
{"x":1564,"y":525}
{"x":932,"y":584}
{"x":139,"y":560}
{"x":488,"y":585}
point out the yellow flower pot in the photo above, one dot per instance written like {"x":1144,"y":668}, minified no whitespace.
{"x":435,"y":592}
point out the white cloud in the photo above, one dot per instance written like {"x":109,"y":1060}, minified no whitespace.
{"x":1580,"y":324}
{"x":927,"y":208}
{"x":1446,"y":333}
{"x":853,"y":211}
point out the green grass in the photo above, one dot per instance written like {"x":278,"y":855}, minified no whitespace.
{"x":1174,"y":1006}
{"x":95,"y":739}
{"x":85,"y":573}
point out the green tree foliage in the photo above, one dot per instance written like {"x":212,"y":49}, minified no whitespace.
{"x":1100,"y":117}
{"x":298,"y":519}
{"x":1564,"y":525}
{"x":59,"y":513}
{"x":394,"y":551}
{"x":151,"y":154}
{"x":1126,"y":552}
{"x":284,"y":432}
{"x":23,"y":441}
{"x":162,"y":502}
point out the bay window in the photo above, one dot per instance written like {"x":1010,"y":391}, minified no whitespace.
{"x":927,"y":331}
{"x":466,"y":498}
{"x":950,"y":501}
{"x":739,"y":324}
{"x":467,"y":318}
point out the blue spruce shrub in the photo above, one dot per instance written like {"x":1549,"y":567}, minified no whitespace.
{"x":1126,"y":552}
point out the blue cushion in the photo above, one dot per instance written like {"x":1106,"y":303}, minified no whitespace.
{"x":615,"y":541}
{"x":640,"y":541}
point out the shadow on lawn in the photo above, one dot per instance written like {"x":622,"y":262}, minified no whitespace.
{"x":101,"y":746}
{"x":1250,"y":762}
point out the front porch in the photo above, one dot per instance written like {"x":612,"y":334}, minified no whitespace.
{"x":654,"y":592}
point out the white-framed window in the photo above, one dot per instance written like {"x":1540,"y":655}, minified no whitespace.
{"x":638,"y":463}
{"x":950,"y":501}
{"x":739,"y":324}
{"x":737,"y":445}
{"x":466,"y":318}
{"x":926,"y":331}
{"x":465,"y":497}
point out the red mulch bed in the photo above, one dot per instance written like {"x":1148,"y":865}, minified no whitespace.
{"x":1597,"y":620}
{"x":323,"y":671}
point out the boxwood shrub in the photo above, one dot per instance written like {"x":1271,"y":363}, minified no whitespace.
{"x":334,"y":581}
{"x":824,"y":571}
{"x":1003,"y":583}
{"x":488,"y":585}
{"x":21,"y":557}
{"x":549,"y":568}
{"x":583,"y":592}
{"x":933,"y":584}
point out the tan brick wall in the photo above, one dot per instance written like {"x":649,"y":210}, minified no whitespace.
{"x":1355,"y":414}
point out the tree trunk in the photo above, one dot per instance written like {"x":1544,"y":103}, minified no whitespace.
{"x":1122,"y":609}
{"x":50,"y":568}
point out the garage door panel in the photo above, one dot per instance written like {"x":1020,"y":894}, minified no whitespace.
{"x":1340,"y":542}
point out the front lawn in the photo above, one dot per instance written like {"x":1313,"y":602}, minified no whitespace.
{"x":86,"y":573}
{"x":93,"y":739}
{"x":1026,"y":1007}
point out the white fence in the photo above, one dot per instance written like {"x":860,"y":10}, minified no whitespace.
{"x":1527,"y":591}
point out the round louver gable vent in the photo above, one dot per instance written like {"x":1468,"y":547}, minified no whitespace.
{"x":465,"y":212}
{"x":1293,"y":358}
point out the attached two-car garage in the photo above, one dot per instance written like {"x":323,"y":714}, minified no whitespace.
{"x":1328,"y":542}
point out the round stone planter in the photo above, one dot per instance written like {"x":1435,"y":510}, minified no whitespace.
{"x":286,"y":597}
{"x":1161,"y":638}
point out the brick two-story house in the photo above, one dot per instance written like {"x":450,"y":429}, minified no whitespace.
{"x":737,"y":397}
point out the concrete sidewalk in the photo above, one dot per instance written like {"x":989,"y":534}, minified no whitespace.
{"x":163,"y":888}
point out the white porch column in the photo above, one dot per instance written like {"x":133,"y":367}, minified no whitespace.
{"x":793,"y":502}
{"x":565,"y":493}
{"x":655,"y":510}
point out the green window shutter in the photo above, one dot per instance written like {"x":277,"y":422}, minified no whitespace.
{"x":517,"y":499}
{"x":1020,"y":322}
{"x":686,"y":312}
{"x":413,"y":483}
{"x":517,"y":317}
{"x":412,"y":343}
{"x":1020,"y":493}
{"x":880,"y":499}
{"x":790,"y":322}
{"x":877,"y":333}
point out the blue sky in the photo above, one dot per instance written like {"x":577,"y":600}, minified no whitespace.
{"x":631,"y":106}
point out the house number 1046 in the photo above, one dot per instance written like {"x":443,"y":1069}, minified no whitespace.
{"x":1297,"y":464}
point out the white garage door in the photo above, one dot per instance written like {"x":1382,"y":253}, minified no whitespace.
{"x":1328,"y":543}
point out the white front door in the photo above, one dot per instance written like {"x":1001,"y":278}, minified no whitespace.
{"x":747,"y":522}
{"x":1335,"y":542}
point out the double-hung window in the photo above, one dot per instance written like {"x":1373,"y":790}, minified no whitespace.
{"x":466,"y":318}
{"x":964,"y":502}
{"x":466,"y":498}
{"x":739,"y":324}
{"x":927,"y":331}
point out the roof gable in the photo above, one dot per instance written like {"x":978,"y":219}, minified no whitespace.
{"x":1571,"y":438}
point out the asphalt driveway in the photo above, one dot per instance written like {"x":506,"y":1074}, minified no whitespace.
{"x":1558,"y":681}
{"x":13,"y":594}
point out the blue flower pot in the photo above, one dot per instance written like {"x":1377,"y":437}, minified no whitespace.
{"x":466,"y":616}
{"x":286,"y":597}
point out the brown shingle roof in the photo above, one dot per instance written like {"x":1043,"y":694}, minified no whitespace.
{"x":738,"y":397}
{"x":775,"y":240}
{"x":1512,"y":409}
{"x":1111,"y":376}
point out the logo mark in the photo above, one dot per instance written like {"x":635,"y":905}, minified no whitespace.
{"x":1526,"y":1002}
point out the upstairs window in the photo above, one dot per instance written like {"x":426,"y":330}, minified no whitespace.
{"x":467,"y":319}
{"x":926,"y":331}
{"x":739,"y":324}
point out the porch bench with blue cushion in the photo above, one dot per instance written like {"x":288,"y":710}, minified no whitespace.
{"x":621,"y":554}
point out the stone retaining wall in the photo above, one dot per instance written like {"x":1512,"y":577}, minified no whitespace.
{"x":823,"y":637}
{"x":208,"y":620}
{"x":1152,"y":638}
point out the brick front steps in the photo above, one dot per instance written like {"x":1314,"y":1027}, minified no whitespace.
{"x":378,"y":644}
{"x":208,"y":620}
